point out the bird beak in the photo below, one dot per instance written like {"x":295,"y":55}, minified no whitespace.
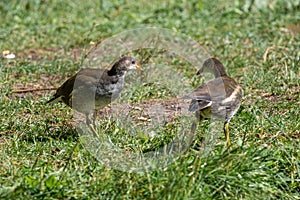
{"x":139,"y":67}
{"x":199,"y":71}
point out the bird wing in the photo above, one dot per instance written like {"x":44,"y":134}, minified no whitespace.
{"x":85,"y":79}
{"x":64,"y":90}
{"x":212,"y":91}
{"x":199,"y":105}
{"x":200,"y":98}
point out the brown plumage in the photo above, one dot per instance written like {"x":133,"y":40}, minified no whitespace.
{"x":91,"y":89}
{"x":219,"y":98}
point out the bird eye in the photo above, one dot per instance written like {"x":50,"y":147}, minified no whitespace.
{"x":133,"y":62}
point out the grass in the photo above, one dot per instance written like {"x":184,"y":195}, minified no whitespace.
{"x":40,"y":152}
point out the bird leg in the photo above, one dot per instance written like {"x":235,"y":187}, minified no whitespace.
{"x":195,"y":122}
{"x":94,"y":118}
{"x":194,"y":127}
{"x":87,"y":119}
{"x":91,"y":123}
{"x":226,"y":131}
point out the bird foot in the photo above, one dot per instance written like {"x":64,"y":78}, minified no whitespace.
{"x":226,"y":146}
{"x":93,"y":129}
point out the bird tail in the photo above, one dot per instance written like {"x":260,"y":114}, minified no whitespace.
{"x":54,"y":99}
{"x":194,"y":106}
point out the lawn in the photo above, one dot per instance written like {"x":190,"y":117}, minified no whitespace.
{"x":43,"y":155}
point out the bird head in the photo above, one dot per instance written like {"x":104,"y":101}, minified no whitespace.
{"x":123,"y":65}
{"x":214,"y":66}
{"x":128,"y":63}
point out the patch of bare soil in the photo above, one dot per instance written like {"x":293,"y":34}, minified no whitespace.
{"x":148,"y":111}
{"x":36,"y":89}
{"x":291,"y":95}
{"x":38,"y":55}
{"x":145,"y":113}
{"x":294,"y":29}
{"x":271,"y":97}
